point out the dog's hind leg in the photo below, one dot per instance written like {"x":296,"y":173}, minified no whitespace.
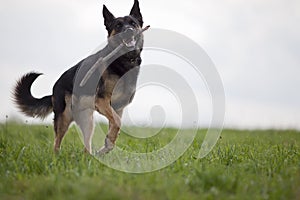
{"x":85,"y":121}
{"x":103,"y":106}
{"x":62,"y":120}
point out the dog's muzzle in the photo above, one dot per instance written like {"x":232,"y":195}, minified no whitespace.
{"x":129,"y":38}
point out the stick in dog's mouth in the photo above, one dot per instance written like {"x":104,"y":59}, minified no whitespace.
{"x":102,"y":60}
{"x":131,"y":42}
{"x":144,"y":29}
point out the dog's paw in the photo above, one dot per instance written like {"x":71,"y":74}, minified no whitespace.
{"x":106,"y":148}
{"x":103,"y":150}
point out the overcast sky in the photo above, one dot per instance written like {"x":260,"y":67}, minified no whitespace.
{"x":254,"y":44}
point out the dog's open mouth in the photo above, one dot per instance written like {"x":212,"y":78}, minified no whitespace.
{"x":129,"y":39}
{"x":130,"y":43}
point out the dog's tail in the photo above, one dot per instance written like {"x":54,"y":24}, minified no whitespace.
{"x":28,"y":104}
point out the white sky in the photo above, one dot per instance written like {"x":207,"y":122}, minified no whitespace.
{"x":255,"y":45}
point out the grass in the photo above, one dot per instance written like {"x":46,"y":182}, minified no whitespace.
{"x":243,"y":165}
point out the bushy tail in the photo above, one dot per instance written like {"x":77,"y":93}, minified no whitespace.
{"x":29,"y":105}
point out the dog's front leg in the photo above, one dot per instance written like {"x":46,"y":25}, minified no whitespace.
{"x":103,"y":106}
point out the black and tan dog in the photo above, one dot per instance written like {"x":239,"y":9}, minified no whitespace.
{"x":106,"y":99}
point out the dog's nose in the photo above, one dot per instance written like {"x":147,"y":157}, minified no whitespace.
{"x":128,"y":33}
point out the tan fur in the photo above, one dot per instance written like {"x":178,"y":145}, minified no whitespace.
{"x":112,"y":33}
{"x":83,"y":116}
{"x":61,"y":124}
{"x":103,"y":107}
{"x":115,"y":92}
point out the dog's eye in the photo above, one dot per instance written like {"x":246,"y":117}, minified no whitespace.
{"x":132,"y":23}
{"x":119,"y":25}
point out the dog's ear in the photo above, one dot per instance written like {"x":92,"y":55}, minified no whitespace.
{"x":136,"y":13}
{"x":108,"y":18}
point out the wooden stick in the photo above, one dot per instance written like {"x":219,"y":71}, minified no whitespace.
{"x":102,"y":60}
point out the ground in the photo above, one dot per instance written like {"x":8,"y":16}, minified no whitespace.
{"x":243,"y":165}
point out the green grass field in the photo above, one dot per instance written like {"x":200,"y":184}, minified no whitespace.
{"x":243,"y":165}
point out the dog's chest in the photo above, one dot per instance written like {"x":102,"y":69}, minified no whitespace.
{"x":120,"y":89}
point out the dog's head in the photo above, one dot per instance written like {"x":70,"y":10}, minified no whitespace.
{"x":124,"y":29}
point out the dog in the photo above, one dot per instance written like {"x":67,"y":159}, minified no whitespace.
{"x":71,"y":102}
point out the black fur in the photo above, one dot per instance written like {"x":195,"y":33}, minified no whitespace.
{"x":108,"y":19}
{"x":135,"y":12}
{"x":34,"y":107}
{"x":29,"y":105}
